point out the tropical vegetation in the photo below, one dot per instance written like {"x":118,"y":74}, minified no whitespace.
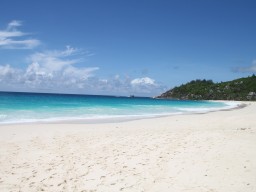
{"x":238,"y":89}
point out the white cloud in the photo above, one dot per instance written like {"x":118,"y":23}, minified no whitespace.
{"x":9,"y":75}
{"x":143,"y":81}
{"x":58,"y":71}
{"x":50,"y":63}
{"x":13,"y":24}
{"x":10,"y":38}
{"x":49,"y":69}
{"x":81,"y":73}
{"x":58,"y":68}
{"x":71,"y":79}
{"x":146,"y":85}
{"x":4,"y":70}
{"x":4,"y":35}
{"x":251,"y":68}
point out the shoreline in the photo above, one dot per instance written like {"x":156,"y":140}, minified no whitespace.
{"x":193,"y":152}
{"x":125,"y":118}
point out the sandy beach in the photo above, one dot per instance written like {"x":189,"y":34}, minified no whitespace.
{"x":213,"y":152}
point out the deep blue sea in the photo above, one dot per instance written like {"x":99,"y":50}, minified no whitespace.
{"x":39,"y":107}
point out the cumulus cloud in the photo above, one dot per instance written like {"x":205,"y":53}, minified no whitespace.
{"x":58,"y":71}
{"x":145,"y":81}
{"x":8,"y":73}
{"x":10,"y":78}
{"x":124,"y":85}
{"x":12,"y":38}
{"x":146,"y":85}
{"x":49,"y":70}
{"x":58,"y":67}
{"x":250,"y":69}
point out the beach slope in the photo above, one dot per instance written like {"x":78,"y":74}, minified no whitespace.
{"x":213,"y":152}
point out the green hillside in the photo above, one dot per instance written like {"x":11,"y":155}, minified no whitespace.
{"x":242,"y":89}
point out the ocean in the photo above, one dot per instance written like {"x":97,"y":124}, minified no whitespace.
{"x":41,"y":107}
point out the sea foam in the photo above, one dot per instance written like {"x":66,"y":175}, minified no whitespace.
{"x":34,"y":107}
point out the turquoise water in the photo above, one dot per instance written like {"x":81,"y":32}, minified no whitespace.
{"x":38,"y":107}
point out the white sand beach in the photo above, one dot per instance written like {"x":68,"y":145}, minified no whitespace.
{"x":213,"y":152}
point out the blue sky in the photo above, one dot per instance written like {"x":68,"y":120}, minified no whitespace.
{"x":118,"y":47}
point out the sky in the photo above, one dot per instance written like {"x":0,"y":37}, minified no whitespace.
{"x":124,"y":47}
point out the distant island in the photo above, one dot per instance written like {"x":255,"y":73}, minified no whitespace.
{"x":242,"y":89}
